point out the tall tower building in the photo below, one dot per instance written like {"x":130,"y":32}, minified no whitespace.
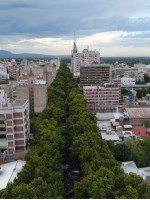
{"x":86,"y":57}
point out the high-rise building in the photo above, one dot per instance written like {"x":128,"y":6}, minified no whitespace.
{"x":86,"y":57}
{"x":35,"y":92}
{"x":14,"y":124}
{"x":94,"y":74}
{"x":40,"y":96}
{"x":103,"y":97}
{"x":13,"y":69}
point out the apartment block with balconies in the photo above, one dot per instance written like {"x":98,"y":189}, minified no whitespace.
{"x":94,"y":74}
{"x":103,"y":97}
{"x":14,"y":125}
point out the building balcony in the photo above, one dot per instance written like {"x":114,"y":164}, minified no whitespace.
{"x":3,"y":143}
{"x":2,"y":118}
{"x":2,"y":126}
{"x":2,"y":132}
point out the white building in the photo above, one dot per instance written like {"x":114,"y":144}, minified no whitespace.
{"x":86,"y":57}
{"x":55,"y":62}
{"x":128,"y":81}
{"x":3,"y":73}
{"x":110,"y":135}
{"x":130,"y":166}
{"x":9,"y":171}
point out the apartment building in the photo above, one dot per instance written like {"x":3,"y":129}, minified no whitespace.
{"x":35,"y":92}
{"x":3,"y":72}
{"x":86,"y":57}
{"x":40,"y":96}
{"x":22,"y":90}
{"x":55,"y":62}
{"x":103,"y":97}
{"x":47,"y":76}
{"x":14,"y":124}
{"x":94,"y":74}
{"x":52,"y":69}
{"x":13,"y":69}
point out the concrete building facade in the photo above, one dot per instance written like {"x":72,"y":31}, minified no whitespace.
{"x":35,"y":92}
{"x":14,"y":124}
{"x":13,"y":69}
{"x":103,"y":97}
{"x":94,"y":74}
{"x":40,"y":96}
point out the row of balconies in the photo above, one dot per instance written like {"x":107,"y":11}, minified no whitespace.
{"x":103,"y":102}
{"x":102,"y":96}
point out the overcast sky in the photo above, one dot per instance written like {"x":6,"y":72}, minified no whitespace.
{"x":113,"y":27}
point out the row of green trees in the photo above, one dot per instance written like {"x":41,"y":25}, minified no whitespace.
{"x":42,"y":176}
{"x":101,"y":173}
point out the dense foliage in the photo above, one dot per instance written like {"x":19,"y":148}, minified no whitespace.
{"x":42,"y":176}
{"x":136,"y":150}
{"x":101,"y":173}
{"x":3,"y":82}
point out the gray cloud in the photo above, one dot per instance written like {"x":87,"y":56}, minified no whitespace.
{"x":60,"y":18}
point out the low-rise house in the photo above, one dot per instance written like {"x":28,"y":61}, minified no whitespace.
{"x":110,"y":135}
{"x":140,"y":131}
{"x":128,"y":135}
{"x":130,"y":166}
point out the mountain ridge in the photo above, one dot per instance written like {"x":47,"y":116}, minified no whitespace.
{"x":8,"y":54}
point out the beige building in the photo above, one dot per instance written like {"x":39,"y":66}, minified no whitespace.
{"x":52,"y":69}
{"x":37,"y":71}
{"x":40,"y":96}
{"x":22,"y":91}
{"x":13,"y":69}
{"x":47,"y":76}
{"x":35,"y":92}
{"x":140,"y":67}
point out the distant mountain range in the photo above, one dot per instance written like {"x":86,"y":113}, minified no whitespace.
{"x":8,"y":54}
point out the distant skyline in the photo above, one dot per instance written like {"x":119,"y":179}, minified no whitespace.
{"x":112,"y":27}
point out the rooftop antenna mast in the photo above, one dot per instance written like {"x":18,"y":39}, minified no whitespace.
{"x":74,"y":36}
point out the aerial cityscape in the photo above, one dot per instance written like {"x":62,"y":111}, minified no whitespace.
{"x":75,"y":99}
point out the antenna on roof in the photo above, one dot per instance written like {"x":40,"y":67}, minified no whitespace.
{"x":74,"y":36}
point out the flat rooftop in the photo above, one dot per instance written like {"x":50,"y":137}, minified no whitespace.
{"x":95,"y":65}
{"x":105,"y":116}
{"x":15,"y":103}
{"x":40,"y":82}
{"x":138,"y":112}
{"x":9,"y":171}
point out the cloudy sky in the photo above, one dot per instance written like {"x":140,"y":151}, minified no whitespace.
{"x":113,"y":27}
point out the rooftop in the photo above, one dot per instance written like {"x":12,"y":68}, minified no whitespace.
{"x":140,"y":131}
{"x":40,"y":82}
{"x":15,"y":103}
{"x":110,"y":136}
{"x":9,"y":171}
{"x":95,"y":65}
{"x":104,"y":125}
{"x":138,"y":112}
{"x":104,"y":116}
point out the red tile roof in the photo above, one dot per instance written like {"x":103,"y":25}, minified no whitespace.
{"x":140,"y":131}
